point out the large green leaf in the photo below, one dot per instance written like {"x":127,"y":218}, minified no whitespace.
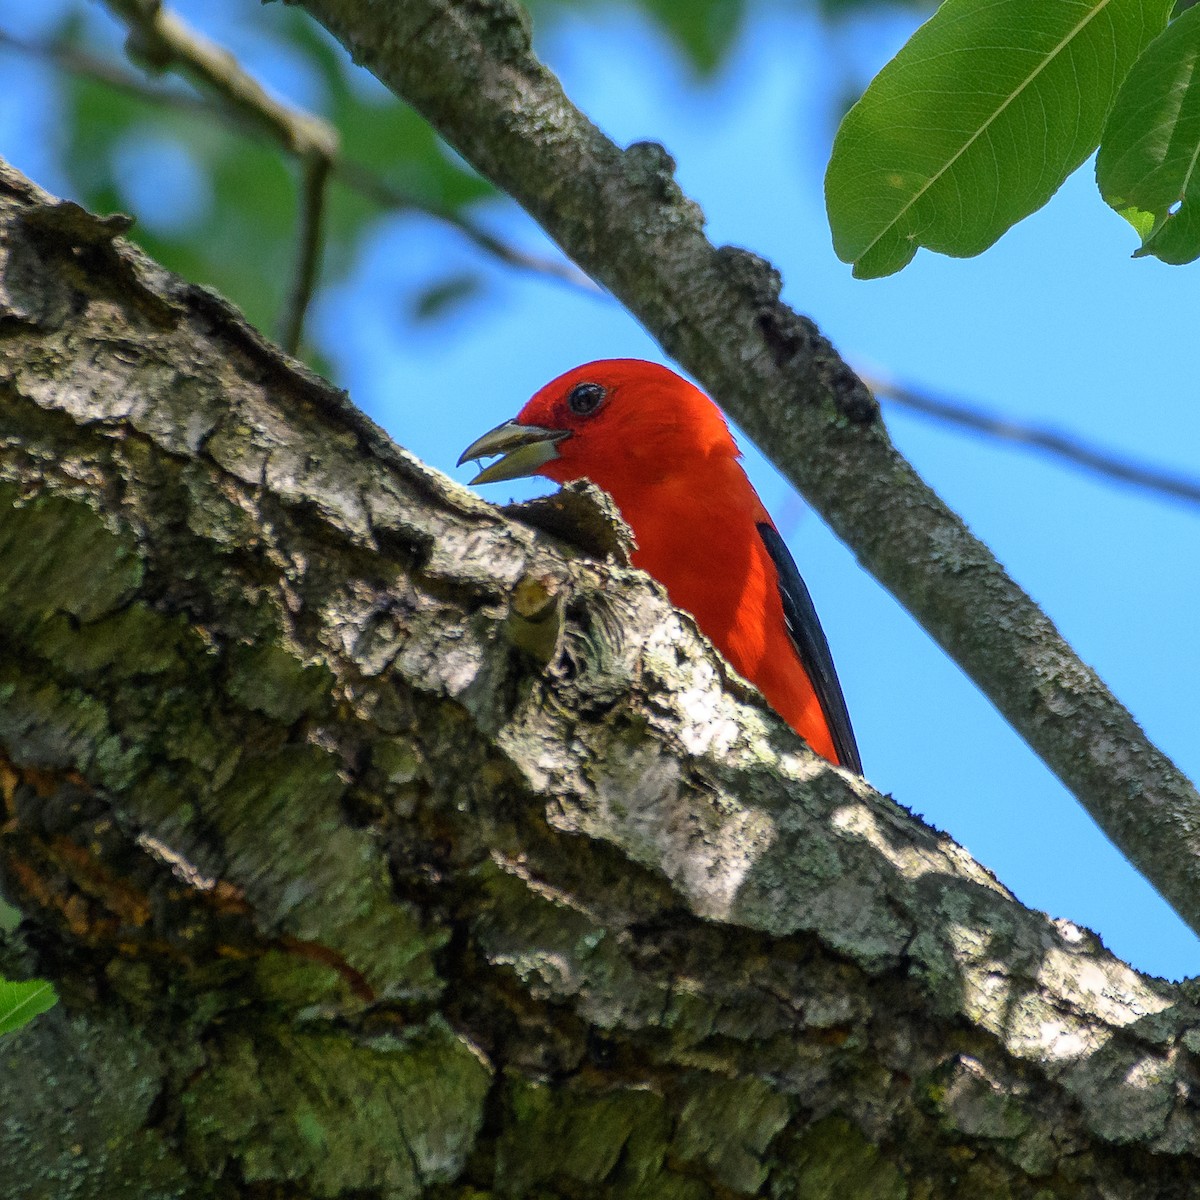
{"x":976,"y":122}
{"x":1148,"y":167}
{"x":21,"y":1002}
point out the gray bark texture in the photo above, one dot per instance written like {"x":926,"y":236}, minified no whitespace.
{"x":384,"y":845}
{"x":467,"y":66}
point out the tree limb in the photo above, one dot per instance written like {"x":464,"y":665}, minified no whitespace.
{"x":468,"y":67}
{"x":1056,"y":443}
{"x":161,"y":39}
{"x":380,"y":845}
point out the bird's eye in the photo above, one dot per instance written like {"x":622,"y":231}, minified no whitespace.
{"x":585,"y":398}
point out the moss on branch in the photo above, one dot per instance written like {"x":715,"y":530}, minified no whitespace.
{"x":345,"y":895}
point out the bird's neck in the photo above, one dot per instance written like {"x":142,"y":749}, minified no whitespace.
{"x":690,"y":519}
{"x":707,"y":483}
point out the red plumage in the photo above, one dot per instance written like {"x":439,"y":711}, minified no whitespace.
{"x":664,"y":453}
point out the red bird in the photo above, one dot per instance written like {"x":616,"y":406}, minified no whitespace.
{"x":662,"y":450}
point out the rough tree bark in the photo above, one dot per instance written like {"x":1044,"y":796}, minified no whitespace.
{"x":384,"y":845}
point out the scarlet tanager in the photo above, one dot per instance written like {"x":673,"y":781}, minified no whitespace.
{"x":662,"y":450}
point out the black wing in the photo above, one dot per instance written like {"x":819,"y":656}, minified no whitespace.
{"x":809,"y":640}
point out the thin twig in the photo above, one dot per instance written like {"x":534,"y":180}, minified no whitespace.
{"x":161,"y":40}
{"x":1040,"y":437}
{"x":387,"y":195}
{"x":354,"y":175}
{"x":304,"y":279}
{"x":302,"y":134}
{"x":102,"y":71}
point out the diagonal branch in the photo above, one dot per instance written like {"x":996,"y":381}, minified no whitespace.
{"x":74,"y":61}
{"x":388,"y":195}
{"x":356,"y":883}
{"x":470,"y":70}
{"x":163,"y":41}
{"x":1105,"y":463}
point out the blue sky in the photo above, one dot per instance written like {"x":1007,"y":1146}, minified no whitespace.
{"x":1055,"y":324}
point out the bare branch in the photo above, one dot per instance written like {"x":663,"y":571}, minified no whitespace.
{"x":304,"y":279}
{"x":109,"y":74}
{"x":387,"y":195}
{"x":354,"y":175}
{"x":161,"y":40}
{"x":1059,"y":445}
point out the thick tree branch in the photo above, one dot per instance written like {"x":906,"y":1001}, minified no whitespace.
{"x":346,"y":894}
{"x":380,"y":845}
{"x":469,"y":68}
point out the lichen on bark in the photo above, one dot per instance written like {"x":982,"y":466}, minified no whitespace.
{"x":349,"y":891}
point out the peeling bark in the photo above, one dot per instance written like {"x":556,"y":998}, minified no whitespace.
{"x":353,"y":887}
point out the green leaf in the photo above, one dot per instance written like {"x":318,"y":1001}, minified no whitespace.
{"x":703,"y":30}
{"x":839,"y":8}
{"x":21,"y":1002}
{"x":1148,"y":167}
{"x":441,"y":297}
{"x":706,"y":30}
{"x":976,"y":122}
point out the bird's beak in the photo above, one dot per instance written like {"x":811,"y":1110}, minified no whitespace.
{"x":523,"y":449}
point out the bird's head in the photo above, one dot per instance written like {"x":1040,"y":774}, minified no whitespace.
{"x":615,"y":422}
